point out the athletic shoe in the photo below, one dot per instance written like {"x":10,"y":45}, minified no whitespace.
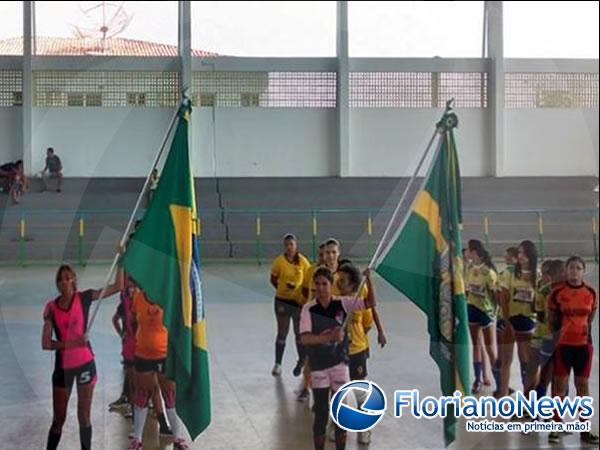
{"x":276,"y":370}
{"x":476,"y":388}
{"x":180,"y":444}
{"x":589,"y":437}
{"x":304,"y":395}
{"x":364,"y":438}
{"x":135,"y":444}
{"x":554,"y":438}
{"x":298,"y":369}
{"x":119,"y":403}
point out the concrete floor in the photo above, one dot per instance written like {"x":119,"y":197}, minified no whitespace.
{"x":251,"y":409}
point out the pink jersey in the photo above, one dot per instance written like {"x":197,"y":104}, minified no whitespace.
{"x":126,"y":314}
{"x":68,"y":325}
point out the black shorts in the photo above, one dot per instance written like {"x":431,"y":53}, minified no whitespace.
{"x":358,"y":365}
{"x":150,"y":365}
{"x":573,"y":357}
{"x":522,"y":324}
{"x":478,"y":317}
{"x":82,"y":375}
{"x":287,"y":308}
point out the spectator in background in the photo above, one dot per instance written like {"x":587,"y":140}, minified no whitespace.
{"x":54,"y":168}
{"x":153,"y":185}
{"x":13,"y":179}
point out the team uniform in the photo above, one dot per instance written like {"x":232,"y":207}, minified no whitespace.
{"x":573,"y":305}
{"x":359,"y":325}
{"x":72,"y":365}
{"x":481,"y":285}
{"x":151,"y":335}
{"x":522,"y":297}
{"x":328,"y":362}
{"x":290,"y":277}
{"x":503,"y":280}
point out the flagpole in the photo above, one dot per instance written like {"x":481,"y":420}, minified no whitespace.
{"x":407,"y":189}
{"x":133,"y":214}
{"x":404,"y":194}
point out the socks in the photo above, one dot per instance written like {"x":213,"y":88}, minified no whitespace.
{"x":541,"y":391}
{"x":478,"y":367}
{"x":496,"y":374}
{"x":53,"y":440}
{"x":85,"y":437}
{"x":139,"y":420}
{"x":175,"y":424}
{"x":361,"y":396}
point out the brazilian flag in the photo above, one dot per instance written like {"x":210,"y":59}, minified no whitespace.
{"x":162,"y":257}
{"x":424,"y":261}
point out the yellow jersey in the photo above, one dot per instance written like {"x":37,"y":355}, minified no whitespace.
{"x":289,"y":277}
{"x":481,"y":284}
{"x":522,"y":297}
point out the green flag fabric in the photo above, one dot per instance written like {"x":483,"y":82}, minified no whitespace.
{"x":424,"y":261}
{"x":162,"y":257}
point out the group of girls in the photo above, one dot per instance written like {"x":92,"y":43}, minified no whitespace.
{"x":547,"y":311}
{"x":332,"y":309}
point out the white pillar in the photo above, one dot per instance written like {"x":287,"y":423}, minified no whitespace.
{"x":495,"y":51}
{"x":342,"y":91}
{"x":184,"y":33}
{"x":27,"y":108}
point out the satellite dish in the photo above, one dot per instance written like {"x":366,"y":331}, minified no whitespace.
{"x":104,"y":21}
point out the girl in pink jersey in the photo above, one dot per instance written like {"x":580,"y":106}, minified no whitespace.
{"x":66,"y":317}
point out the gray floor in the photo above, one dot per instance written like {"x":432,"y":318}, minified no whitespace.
{"x":251,"y":410}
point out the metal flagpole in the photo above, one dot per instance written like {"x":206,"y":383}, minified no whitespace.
{"x":134,"y":212}
{"x":375,"y":256}
{"x":407,"y":189}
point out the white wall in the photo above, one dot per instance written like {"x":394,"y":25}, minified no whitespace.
{"x":551,"y":142}
{"x":389,"y":142}
{"x":120,"y":142}
{"x":99,"y":142}
{"x":11,"y":132}
{"x":264,"y":142}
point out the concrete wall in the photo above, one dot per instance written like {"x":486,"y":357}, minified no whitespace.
{"x":551,"y":142}
{"x":301,"y":142}
{"x":389,"y":142}
{"x":11,"y":143}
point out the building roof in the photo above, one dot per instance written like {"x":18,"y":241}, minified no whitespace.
{"x":71,"y":46}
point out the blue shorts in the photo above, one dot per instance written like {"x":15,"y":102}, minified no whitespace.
{"x":522,"y":324}
{"x":478,"y":317}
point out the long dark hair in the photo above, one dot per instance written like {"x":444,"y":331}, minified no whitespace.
{"x":477,"y":247}
{"x":530,"y":251}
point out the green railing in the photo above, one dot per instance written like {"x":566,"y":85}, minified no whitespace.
{"x":479,"y":223}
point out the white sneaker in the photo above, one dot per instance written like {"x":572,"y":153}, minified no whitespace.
{"x":364,"y":438}
{"x":276,"y":370}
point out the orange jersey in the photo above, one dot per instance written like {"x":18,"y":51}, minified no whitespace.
{"x":151,"y":335}
{"x":573,"y":305}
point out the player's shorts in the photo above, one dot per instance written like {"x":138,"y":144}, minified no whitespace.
{"x":82,"y":375}
{"x":287,"y":308}
{"x":149,"y":365}
{"x":478,"y":317}
{"x":332,"y":377}
{"x":357,"y":364}
{"x":522,"y":324}
{"x":576,"y":357}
